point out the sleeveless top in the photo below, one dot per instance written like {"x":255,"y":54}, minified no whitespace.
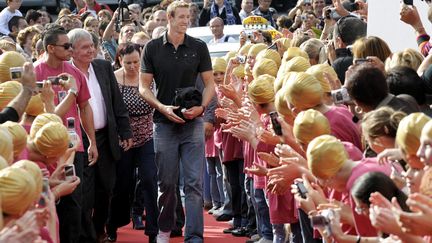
{"x":140,"y":114}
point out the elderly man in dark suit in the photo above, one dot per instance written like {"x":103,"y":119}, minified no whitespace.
{"x":111,"y":122}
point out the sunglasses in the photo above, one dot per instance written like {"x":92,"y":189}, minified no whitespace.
{"x":66,"y":46}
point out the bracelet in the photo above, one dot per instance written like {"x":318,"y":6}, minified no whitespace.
{"x":358,"y":239}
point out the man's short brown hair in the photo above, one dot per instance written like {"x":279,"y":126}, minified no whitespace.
{"x":175,"y":5}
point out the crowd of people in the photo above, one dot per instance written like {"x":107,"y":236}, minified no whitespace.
{"x":311,"y":133}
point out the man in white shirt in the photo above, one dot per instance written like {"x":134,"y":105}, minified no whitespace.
{"x":7,"y":13}
{"x":217,"y":26}
{"x":111,"y":124}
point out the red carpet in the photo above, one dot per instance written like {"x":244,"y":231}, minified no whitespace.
{"x":212,"y":233}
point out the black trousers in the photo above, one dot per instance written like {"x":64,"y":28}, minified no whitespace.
{"x":236,"y":179}
{"x":126,"y":190}
{"x":98,"y":186}
{"x":69,"y":207}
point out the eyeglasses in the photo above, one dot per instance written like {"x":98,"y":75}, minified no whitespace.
{"x":66,"y":46}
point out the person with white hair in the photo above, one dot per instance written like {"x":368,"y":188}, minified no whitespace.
{"x":111,"y":122}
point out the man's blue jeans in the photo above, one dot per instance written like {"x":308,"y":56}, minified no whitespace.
{"x":185,"y":142}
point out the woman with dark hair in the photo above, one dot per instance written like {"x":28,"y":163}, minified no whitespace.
{"x":140,"y":156}
{"x":372,"y":182}
{"x":367,"y":87}
{"x":405,"y":80}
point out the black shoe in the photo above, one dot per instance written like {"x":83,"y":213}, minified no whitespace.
{"x":112,"y":238}
{"x":152,"y":238}
{"x":137,"y":222}
{"x":207,"y":205}
{"x":251,"y":232}
{"x":229,"y":230}
{"x":240,"y":232}
{"x":176,"y":233}
{"x":223,"y":217}
{"x":111,"y":235}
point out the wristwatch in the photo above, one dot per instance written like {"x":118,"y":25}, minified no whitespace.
{"x":73,"y":91}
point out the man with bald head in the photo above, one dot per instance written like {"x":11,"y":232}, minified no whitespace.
{"x":160,"y":17}
{"x":217,"y":26}
{"x":150,"y":26}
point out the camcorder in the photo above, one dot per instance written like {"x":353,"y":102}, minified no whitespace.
{"x":322,"y":220}
{"x":123,"y":17}
{"x":241,"y":59}
{"x":332,"y":14}
{"x":340,"y":96}
{"x":16,"y":72}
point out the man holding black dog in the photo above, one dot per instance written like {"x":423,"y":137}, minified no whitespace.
{"x":174,"y":60}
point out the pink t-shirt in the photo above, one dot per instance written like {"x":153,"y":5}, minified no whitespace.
{"x":353,"y":152}
{"x":342,"y":126}
{"x":260,"y":181}
{"x":282,"y":208}
{"x":248,"y":156}
{"x":43,"y":71}
{"x":211,"y":150}
{"x":363,"y":224}
{"x":232,"y":147}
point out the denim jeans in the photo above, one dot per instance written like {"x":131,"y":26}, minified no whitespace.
{"x":172,"y":143}
{"x":214,"y":168}
{"x":206,"y":186}
{"x":263,"y":215}
{"x":236,"y":181}
{"x":146,"y":188}
{"x":250,"y":215}
{"x":227,"y":205}
{"x":279,"y":234}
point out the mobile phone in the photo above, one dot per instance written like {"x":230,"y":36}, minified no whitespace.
{"x":69,"y":171}
{"x":319,"y":221}
{"x":54,"y":80}
{"x":408,"y":2}
{"x":44,"y":193}
{"x":241,"y":59}
{"x":301,"y":189}
{"x":359,"y":61}
{"x":39,"y":84}
{"x":276,"y":125}
{"x":16,"y":72}
{"x":273,"y":47}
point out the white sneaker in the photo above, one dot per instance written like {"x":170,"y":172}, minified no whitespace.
{"x":163,"y":237}
{"x":264,"y":240}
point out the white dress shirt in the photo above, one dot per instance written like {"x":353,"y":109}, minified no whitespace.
{"x":96,"y":101}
